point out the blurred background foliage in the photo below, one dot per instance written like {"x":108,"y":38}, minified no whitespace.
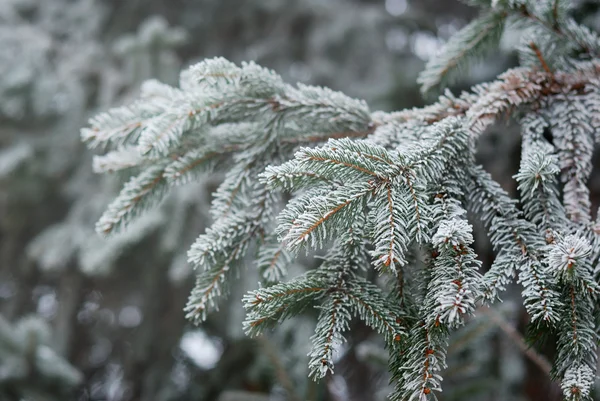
{"x":85,"y":318}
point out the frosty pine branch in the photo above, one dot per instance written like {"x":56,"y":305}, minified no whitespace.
{"x":371,"y":188}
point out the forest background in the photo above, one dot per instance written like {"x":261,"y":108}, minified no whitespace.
{"x":106,"y":315}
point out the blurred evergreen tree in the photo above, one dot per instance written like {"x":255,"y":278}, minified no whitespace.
{"x":115,"y":306}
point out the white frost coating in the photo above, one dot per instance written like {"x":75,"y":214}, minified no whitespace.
{"x":389,"y":191}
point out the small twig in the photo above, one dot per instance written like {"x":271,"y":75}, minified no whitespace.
{"x":540,"y":57}
{"x":311,"y":390}
{"x":539,"y":360}
{"x":280,"y":372}
{"x":554,"y":26}
{"x":555,"y":15}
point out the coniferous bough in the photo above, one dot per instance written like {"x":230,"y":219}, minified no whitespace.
{"x":383,"y":191}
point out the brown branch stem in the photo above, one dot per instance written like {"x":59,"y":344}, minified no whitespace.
{"x":539,"y":360}
{"x":280,"y":372}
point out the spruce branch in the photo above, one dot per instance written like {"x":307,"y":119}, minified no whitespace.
{"x":332,"y":321}
{"x":563,"y":26}
{"x":518,"y":245}
{"x":574,"y":138}
{"x":139,"y":193}
{"x":537,"y":179}
{"x":387,"y":191}
{"x":482,"y":34}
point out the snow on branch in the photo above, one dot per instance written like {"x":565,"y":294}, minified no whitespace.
{"x":309,"y":168}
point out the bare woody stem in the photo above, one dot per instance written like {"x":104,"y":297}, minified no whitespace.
{"x":539,"y":360}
